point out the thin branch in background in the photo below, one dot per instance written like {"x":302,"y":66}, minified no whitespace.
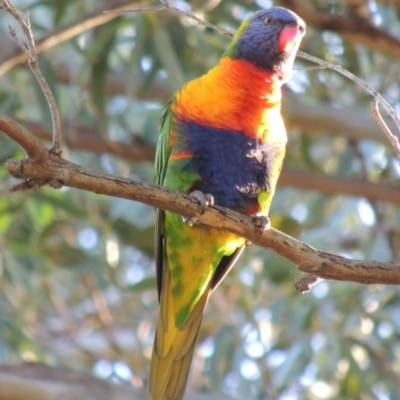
{"x":346,"y":24}
{"x":353,"y":145}
{"x":380,"y":213}
{"x":142,"y":9}
{"x":60,"y":307}
{"x":166,"y":4}
{"x":377,"y":96}
{"x":378,"y":118}
{"x":13,"y":34}
{"x":315,"y":68}
{"x":225,"y":32}
{"x":24,"y":22}
{"x":99,"y":301}
{"x":103,"y":311}
{"x":63,"y":33}
{"x":394,"y":242}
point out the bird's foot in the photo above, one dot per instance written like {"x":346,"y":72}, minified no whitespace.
{"x":205,"y":200}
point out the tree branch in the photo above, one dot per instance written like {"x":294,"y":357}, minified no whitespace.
{"x":352,"y":123}
{"x":308,"y":180}
{"x":45,"y":167}
{"x":377,"y":96}
{"x":67,"y":32}
{"x":40,"y":382}
{"x":378,"y":118}
{"x":167,"y":4}
{"x":355,"y":30}
{"x":30,"y":51}
{"x":86,"y":138}
{"x":32,"y":146}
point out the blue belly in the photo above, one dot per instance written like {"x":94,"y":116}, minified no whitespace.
{"x":234,"y":168}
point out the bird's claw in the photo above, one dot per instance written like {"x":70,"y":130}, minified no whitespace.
{"x":261,"y":223}
{"x":205,"y":200}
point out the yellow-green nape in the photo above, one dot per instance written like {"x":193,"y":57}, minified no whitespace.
{"x":230,"y":50}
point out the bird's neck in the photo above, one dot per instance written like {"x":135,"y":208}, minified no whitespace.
{"x":255,"y":82}
{"x":235,"y":95}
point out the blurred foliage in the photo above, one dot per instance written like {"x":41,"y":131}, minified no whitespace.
{"x":77,"y":280}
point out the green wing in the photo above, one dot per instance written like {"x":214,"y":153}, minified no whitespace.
{"x":163,"y":150}
{"x":162,"y":155}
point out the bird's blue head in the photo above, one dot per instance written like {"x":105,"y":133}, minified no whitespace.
{"x":269,"y":39}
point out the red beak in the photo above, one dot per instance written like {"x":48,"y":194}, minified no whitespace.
{"x":288,"y":38}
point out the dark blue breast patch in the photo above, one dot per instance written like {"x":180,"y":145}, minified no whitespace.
{"x":233,"y":167}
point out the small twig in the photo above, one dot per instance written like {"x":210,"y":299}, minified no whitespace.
{"x":63,"y":33}
{"x":315,"y":68}
{"x":27,"y":184}
{"x":225,"y":32}
{"x":167,"y":4}
{"x":144,"y":9}
{"x":377,"y":96}
{"x":304,"y":284}
{"x":99,"y":301}
{"x":13,"y":34}
{"x":24,"y":22}
{"x":378,"y":118}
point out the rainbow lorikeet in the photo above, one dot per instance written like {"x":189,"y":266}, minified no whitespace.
{"x":221,"y":134}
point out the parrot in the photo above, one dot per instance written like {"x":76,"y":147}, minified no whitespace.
{"x":222,"y":140}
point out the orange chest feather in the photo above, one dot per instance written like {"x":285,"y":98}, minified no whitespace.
{"x":235,"y":95}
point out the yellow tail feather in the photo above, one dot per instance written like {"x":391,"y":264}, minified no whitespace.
{"x":173,"y":348}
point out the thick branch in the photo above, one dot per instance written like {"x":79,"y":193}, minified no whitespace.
{"x":50,"y":168}
{"x":32,"y":146}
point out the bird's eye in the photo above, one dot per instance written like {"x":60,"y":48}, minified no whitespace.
{"x":269,"y":20}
